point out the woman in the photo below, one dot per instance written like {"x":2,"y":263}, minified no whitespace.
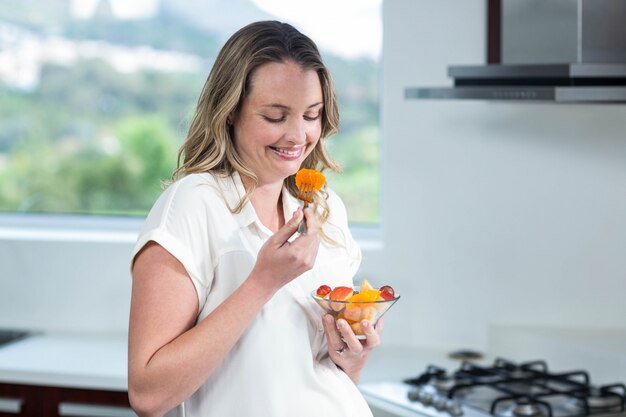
{"x":221,"y":319}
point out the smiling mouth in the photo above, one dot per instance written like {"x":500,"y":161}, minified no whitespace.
{"x":291,"y":154}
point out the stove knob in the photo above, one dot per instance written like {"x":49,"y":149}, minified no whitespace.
{"x":439,"y":402}
{"x":425,"y":397}
{"x":454,"y":408}
{"x":413,"y":394}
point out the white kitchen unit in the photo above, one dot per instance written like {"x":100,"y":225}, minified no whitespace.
{"x":52,"y":375}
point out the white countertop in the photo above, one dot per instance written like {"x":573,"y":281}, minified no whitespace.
{"x":100,"y":361}
{"x":392,"y":363}
{"x":67,"y":360}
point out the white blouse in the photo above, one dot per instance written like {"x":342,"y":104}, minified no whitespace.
{"x":280,"y":367}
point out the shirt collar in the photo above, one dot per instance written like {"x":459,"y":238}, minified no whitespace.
{"x":234,"y":192}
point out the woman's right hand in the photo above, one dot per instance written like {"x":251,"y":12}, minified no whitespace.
{"x":279,"y":261}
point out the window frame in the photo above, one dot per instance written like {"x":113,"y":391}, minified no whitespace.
{"x":110,"y":229}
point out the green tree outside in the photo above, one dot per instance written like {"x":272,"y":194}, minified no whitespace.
{"x":88,"y":139}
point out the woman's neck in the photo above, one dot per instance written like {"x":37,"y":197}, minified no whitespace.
{"x":267,"y":202}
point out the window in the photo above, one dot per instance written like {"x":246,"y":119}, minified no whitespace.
{"x":96,"y":96}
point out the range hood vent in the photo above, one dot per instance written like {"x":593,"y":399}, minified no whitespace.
{"x":571,"y":51}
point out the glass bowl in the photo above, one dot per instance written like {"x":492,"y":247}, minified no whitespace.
{"x":355,"y":311}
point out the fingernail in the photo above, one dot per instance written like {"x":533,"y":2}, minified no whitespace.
{"x":365,"y":324}
{"x":328,"y":319}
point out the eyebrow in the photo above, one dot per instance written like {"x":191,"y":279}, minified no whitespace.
{"x":283,"y":107}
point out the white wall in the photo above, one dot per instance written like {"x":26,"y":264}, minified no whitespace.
{"x":77,"y":279}
{"x":64,"y":285}
{"x":495,"y":213}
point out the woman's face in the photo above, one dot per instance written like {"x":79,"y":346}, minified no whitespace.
{"x":279,"y":122}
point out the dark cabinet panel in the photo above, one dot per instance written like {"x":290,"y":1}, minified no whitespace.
{"x":40,"y":401}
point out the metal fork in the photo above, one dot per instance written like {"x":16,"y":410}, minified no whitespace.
{"x":306,"y":195}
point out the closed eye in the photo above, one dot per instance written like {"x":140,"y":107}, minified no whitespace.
{"x":312,"y":118}
{"x":274,"y":120}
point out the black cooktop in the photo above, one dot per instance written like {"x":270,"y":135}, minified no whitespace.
{"x":508,"y":389}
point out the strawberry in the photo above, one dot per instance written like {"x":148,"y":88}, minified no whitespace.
{"x":323,"y":291}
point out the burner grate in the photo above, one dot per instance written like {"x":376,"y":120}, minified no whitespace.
{"x":507,"y":389}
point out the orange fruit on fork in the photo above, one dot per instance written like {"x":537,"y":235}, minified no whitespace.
{"x":309,"y":181}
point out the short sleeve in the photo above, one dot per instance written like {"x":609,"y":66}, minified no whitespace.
{"x":179,"y":222}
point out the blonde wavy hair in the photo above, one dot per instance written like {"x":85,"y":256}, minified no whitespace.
{"x":209,"y":144}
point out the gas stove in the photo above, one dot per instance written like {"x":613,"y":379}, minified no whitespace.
{"x":503,"y":389}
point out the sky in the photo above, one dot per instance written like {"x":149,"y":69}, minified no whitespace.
{"x":347,"y":27}
{"x":122,"y":9}
{"x":350,"y":28}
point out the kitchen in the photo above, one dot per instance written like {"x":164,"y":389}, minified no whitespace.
{"x":503,"y":225}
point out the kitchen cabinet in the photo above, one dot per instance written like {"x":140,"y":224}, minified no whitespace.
{"x":43,"y":401}
{"x":64,"y":374}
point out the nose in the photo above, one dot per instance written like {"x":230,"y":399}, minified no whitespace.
{"x":296,"y":131}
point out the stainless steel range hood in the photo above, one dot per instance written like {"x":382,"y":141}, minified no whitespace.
{"x":549,"y":50}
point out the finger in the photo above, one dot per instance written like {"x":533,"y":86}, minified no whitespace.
{"x":309,"y":240}
{"x":311,"y":220}
{"x":349,"y":337}
{"x":372,"y":335}
{"x":284,"y":233}
{"x":334,"y":338}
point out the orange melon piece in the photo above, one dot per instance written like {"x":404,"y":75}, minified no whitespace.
{"x":366,"y":286}
{"x":352,"y":312}
{"x":365,"y":296}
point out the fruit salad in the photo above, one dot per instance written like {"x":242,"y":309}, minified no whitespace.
{"x":354,"y":306}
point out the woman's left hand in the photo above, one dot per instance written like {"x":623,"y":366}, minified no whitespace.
{"x":348,"y":352}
